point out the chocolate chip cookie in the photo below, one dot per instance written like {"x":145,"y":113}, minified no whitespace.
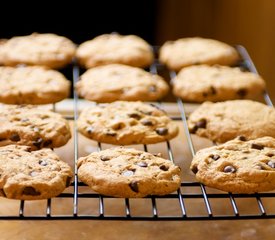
{"x":32,"y":126}
{"x":32,"y":175}
{"x":48,"y":50}
{"x":237,"y":166}
{"x":224,"y":121}
{"x":32,"y":85}
{"x":193,"y":51}
{"x":128,"y":173}
{"x":120,"y":82}
{"x":115,"y":48}
{"x":216,"y":83}
{"x":125,"y":123}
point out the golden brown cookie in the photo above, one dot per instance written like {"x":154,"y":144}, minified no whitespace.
{"x":126,"y":172}
{"x":32,"y":126}
{"x":120,"y":82}
{"x":45,"y":49}
{"x":193,"y":51}
{"x":224,"y":121}
{"x":125,"y":123}
{"x":237,"y":166}
{"x":32,"y":85}
{"x":216,"y":83}
{"x":32,"y":175}
{"x":114,"y":48}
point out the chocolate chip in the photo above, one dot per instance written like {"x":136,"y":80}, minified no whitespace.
{"x":164,"y":168}
{"x":104,"y":158}
{"x":194,"y":169}
{"x":242,"y":138}
{"x":213,"y":90}
{"x":68,"y":181}
{"x":47,"y":143}
{"x":134,"y":115}
{"x":152,"y":88}
{"x":134,"y":186}
{"x":215,"y":157}
{"x":271,"y":164}
{"x":110,"y":133}
{"x":142,"y":164}
{"x":147,"y":122}
{"x":229,"y":169}
{"x":257,"y":146}
{"x":194,"y":129}
{"x":242,"y":92}
{"x":14,"y":137}
{"x":201,"y":123}
{"x":42,"y":162}
{"x":161,"y":131}
{"x":128,"y":173}
{"x":270,"y":154}
{"x":30,"y":191}
{"x":37,"y":142}
{"x":90,"y":130}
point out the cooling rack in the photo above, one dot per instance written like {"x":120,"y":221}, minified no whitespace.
{"x":193,"y":201}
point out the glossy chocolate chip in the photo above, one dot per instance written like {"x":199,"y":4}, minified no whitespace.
{"x":128,"y":173}
{"x":271,"y":164}
{"x":161,"y":131}
{"x":42,"y":163}
{"x":14,"y":137}
{"x":104,"y":158}
{"x":30,"y":191}
{"x":164,"y":168}
{"x":242,"y":92}
{"x":90,"y":130}
{"x":152,"y":88}
{"x":257,"y":146}
{"x":37,"y":142}
{"x":242,"y":138}
{"x":134,"y":186}
{"x":229,"y":169}
{"x":68,"y":181}
{"x":47,"y":143}
{"x":201,"y":123}
{"x":147,"y":122}
{"x":134,"y":115}
{"x":142,"y":164}
{"x":215,"y":157}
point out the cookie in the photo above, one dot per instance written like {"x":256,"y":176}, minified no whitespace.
{"x":237,"y":166}
{"x":32,"y":126}
{"x":48,"y":50}
{"x":114,"y":48}
{"x":32,"y":85}
{"x":216,"y":83}
{"x":128,"y":173}
{"x":125,"y":123}
{"x":120,"y":82}
{"x":224,"y":121}
{"x":193,"y":51}
{"x":32,"y":175}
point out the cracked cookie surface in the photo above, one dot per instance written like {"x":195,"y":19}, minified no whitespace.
{"x":30,"y":175}
{"x":32,"y":126}
{"x":32,"y":85}
{"x":120,"y":82}
{"x":194,"y":51}
{"x":114,"y":48}
{"x":224,"y":121}
{"x":126,"y":172}
{"x":216,"y":83}
{"x":237,"y":166}
{"x":125,"y":123}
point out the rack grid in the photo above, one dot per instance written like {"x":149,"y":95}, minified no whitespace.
{"x":191,"y":195}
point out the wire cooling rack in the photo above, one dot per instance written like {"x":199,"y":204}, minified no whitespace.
{"x":193,"y":201}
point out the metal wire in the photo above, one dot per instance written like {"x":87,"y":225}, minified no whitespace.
{"x":179,"y":195}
